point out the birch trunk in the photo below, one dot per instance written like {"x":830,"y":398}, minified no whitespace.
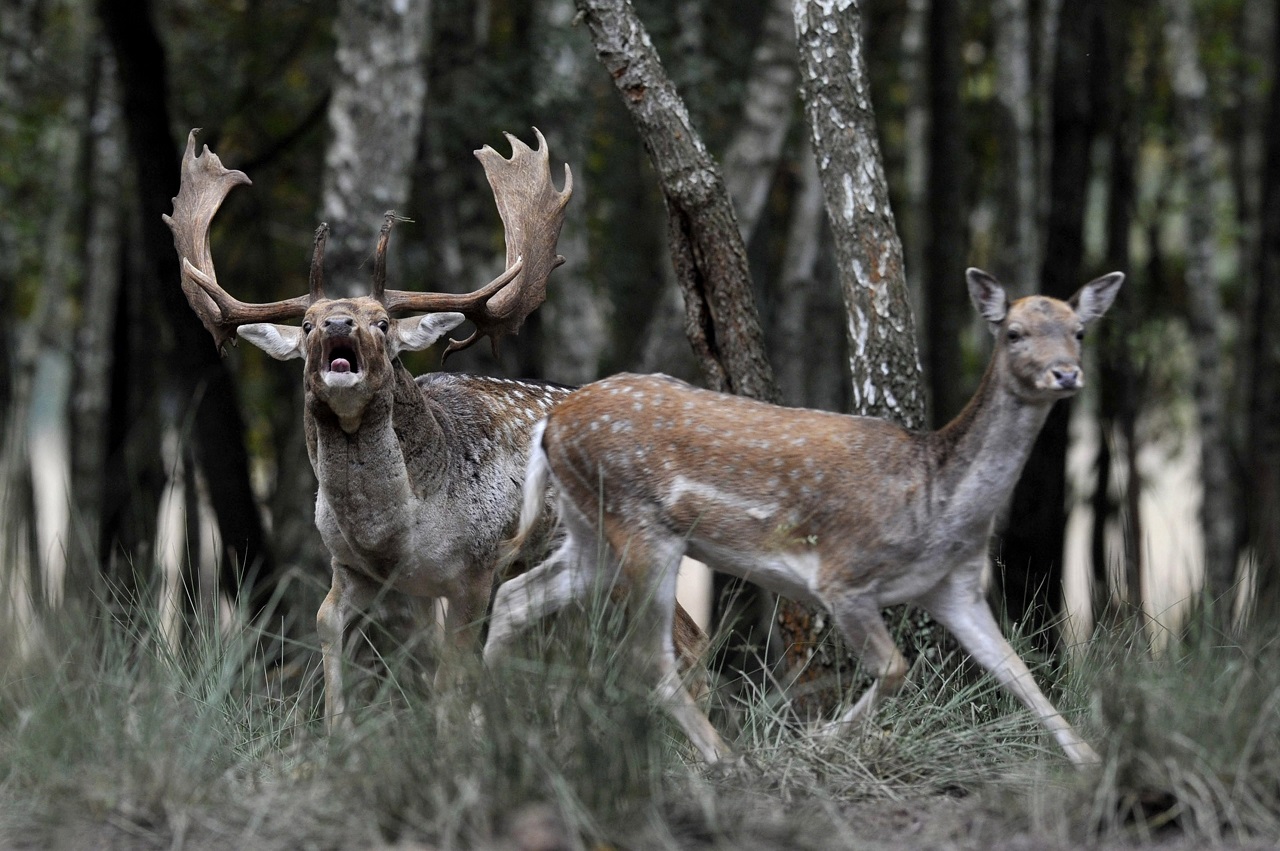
{"x":752,"y":157}
{"x":375,"y":118}
{"x":1195,"y":128}
{"x":1017,"y":259}
{"x":883,"y":362}
{"x":882,"y":342}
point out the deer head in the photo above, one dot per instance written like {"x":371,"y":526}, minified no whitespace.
{"x":1038,"y":338}
{"x":349,"y":344}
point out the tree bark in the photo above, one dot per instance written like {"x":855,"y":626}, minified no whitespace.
{"x":752,"y":157}
{"x":1195,"y":126}
{"x":1117,"y":369}
{"x":90,"y":397}
{"x":946,"y":229}
{"x":882,"y":348}
{"x":1018,"y":178}
{"x":375,"y":118}
{"x":1263,"y":447}
{"x":799,"y":280}
{"x":706,"y":246}
{"x":195,"y":373}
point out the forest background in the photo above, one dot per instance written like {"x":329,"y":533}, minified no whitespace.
{"x":1047,"y":142}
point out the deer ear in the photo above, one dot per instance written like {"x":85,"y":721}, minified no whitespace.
{"x":282,"y":342}
{"x":418,"y":332}
{"x":987,"y":295}
{"x":1095,"y":297}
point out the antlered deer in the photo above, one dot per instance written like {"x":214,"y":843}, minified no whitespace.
{"x":419,"y":479}
{"x":849,"y":513}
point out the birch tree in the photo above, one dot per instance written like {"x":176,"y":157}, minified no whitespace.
{"x":375,"y":118}
{"x":1195,"y":128}
{"x":752,"y":156}
{"x":882,"y":341}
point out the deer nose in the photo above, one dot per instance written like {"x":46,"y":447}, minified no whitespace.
{"x":1066,"y":377}
{"x":340,"y":324}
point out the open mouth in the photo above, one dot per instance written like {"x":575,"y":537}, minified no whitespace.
{"x":340,"y":357}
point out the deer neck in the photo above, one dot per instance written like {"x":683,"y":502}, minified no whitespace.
{"x":979,"y":455}
{"x":380,"y":464}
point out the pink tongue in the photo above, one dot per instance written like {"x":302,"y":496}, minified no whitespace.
{"x":340,"y":365}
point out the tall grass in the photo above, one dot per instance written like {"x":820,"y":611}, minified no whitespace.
{"x":110,"y":738}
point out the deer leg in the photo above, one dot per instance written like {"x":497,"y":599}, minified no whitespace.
{"x":547,"y":588}
{"x":958,"y":604}
{"x":859,"y":620}
{"x":349,"y":595}
{"x":651,"y":564}
{"x":465,"y":617}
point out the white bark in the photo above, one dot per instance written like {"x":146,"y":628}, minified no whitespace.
{"x":752,"y":157}
{"x":375,"y":117}
{"x":799,"y":279}
{"x":883,"y":361}
{"x":1019,"y":256}
{"x":1195,"y":127}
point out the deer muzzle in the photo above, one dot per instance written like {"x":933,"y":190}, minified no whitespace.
{"x":340,"y":354}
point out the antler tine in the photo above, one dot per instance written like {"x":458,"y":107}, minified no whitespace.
{"x":205,"y":184}
{"x":315,"y":281}
{"x":532,"y":212}
{"x":380,"y":256}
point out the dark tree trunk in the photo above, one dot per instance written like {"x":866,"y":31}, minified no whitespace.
{"x":1263,"y":475}
{"x":1018,"y":167}
{"x":1030,"y":548}
{"x":709,"y":256}
{"x":945,"y":299}
{"x":90,"y":392}
{"x":706,"y":247}
{"x":194,"y":372}
{"x":1117,"y":376}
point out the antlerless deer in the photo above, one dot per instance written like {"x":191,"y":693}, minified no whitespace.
{"x":419,"y":479}
{"x":849,"y":513}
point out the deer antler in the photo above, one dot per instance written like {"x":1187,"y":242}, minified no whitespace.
{"x":532,"y":211}
{"x":205,"y":184}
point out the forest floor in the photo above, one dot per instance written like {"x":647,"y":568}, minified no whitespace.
{"x":111,"y":739}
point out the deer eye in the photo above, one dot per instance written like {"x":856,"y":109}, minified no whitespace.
{"x":1013,"y":335}
{"x":1080,"y":334}
{"x":382,"y":325}
{"x":306,"y":327}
